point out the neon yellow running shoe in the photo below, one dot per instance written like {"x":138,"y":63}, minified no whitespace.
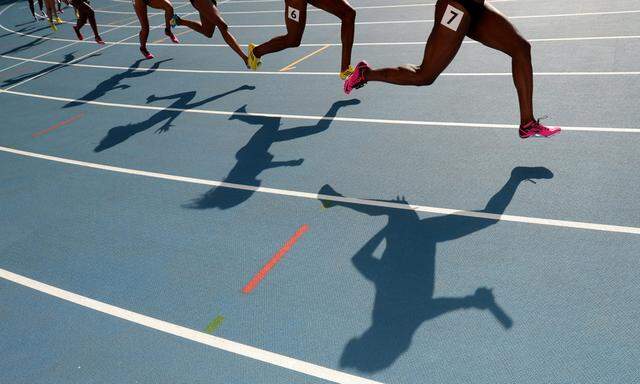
{"x":346,"y":73}
{"x":58,"y":20}
{"x":53,"y":26}
{"x":253,"y":61}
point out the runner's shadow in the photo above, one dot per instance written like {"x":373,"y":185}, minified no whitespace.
{"x":25,"y":23}
{"x":24,"y":47}
{"x":404,"y":276}
{"x":165,"y":116}
{"x":68,"y":58}
{"x":113,"y":82}
{"x":254,"y":157}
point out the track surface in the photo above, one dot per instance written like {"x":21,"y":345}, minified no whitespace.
{"x":381,"y":291}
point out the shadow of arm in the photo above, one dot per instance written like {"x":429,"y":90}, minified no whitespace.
{"x":364,"y":261}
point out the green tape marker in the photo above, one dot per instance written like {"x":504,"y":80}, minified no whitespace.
{"x":214,"y":324}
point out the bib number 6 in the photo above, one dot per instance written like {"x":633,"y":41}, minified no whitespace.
{"x":294,"y":14}
{"x":452,"y":17}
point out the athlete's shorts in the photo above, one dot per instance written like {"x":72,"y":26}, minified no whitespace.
{"x":215,"y":3}
{"x":146,"y":2}
{"x":475,"y":7}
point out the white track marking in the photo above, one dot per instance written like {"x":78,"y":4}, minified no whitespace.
{"x":73,"y":42}
{"x":53,"y":50}
{"x":72,"y":61}
{"x":263,"y":73}
{"x":315,"y":196}
{"x":312,"y":117}
{"x":189,"y":334}
{"x":419,"y":43}
{"x":421,"y":21}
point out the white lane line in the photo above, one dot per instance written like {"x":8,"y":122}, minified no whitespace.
{"x":400,"y":43}
{"x":128,"y":25}
{"x":53,"y":50}
{"x":74,"y":60}
{"x":312,"y":117}
{"x":315,"y":196}
{"x":421,"y":21}
{"x":263,"y":73}
{"x":236,"y":348}
{"x":73,"y":42}
{"x":54,"y":68}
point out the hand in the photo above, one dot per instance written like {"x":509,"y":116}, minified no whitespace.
{"x":526,"y":173}
{"x":483,"y":298}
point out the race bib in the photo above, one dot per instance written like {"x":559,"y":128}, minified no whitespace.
{"x":293,"y":14}
{"x":452,"y":17}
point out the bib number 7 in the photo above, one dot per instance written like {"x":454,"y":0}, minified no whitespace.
{"x":452,"y":17}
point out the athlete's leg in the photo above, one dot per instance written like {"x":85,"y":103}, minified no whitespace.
{"x":85,"y":12}
{"x":492,"y":29}
{"x":92,"y":21}
{"x":212,"y":14}
{"x":83,"y":15}
{"x":295,"y":18}
{"x":32,"y":8}
{"x":442,"y":46}
{"x":347,"y":15}
{"x":204,"y":27}
{"x":50,"y":10}
{"x":141,"y":11}
{"x":168,"y":10}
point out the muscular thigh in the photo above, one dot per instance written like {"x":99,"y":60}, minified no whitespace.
{"x":209,"y":14}
{"x":452,"y":22}
{"x":158,"y":4}
{"x":334,"y":7}
{"x":494,"y":30}
{"x":295,"y":16}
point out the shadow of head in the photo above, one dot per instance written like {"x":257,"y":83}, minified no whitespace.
{"x":241,"y":114}
{"x":373,"y":354}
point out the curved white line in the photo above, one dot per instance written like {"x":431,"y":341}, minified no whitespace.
{"x":442,"y":124}
{"x":422,"y":21}
{"x":420,"y":43}
{"x":342,"y":199}
{"x":189,"y":334}
{"x":296,"y":73}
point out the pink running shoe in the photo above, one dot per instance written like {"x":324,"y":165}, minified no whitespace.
{"x":147,"y":55}
{"x":167,"y":31}
{"x":356,"y":79}
{"x":534,"y":128}
{"x":99,"y":40}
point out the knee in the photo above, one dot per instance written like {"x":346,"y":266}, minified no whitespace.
{"x":349,"y":15}
{"x":209,"y":33}
{"x":523,"y":49}
{"x":424,"y":78}
{"x":294,"y":40}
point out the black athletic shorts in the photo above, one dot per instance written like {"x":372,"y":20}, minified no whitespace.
{"x":215,"y":3}
{"x":475,"y":7}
